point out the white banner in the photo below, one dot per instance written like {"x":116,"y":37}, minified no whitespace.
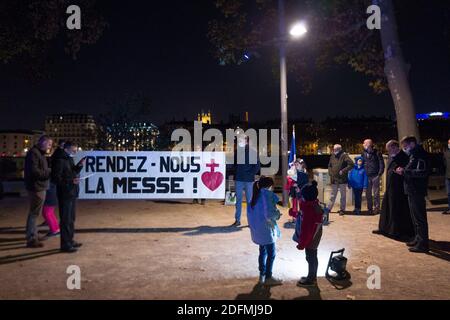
{"x":152,"y":175}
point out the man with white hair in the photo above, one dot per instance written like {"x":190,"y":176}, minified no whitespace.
{"x":374,"y":166}
{"x":338,"y":168}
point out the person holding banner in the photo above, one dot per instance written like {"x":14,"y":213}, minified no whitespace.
{"x":66,"y":177}
{"x":245,"y":175}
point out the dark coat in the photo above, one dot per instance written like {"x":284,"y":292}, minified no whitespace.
{"x":339,"y":162}
{"x":447,"y":163}
{"x":416,"y":172}
{"x":373,"y":163}
{"x":246,"y":171}
{"x":37,"y":171}
{"x":51,"y":199}
{"x":63,"y":173}
{"x":395,"y":218}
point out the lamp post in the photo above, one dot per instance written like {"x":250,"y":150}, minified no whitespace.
{"x":296,"y":31}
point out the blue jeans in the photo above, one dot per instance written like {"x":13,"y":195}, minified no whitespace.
{"x":448,"y":191}
{"x":240,"y":187}
{"x":266,"y":259}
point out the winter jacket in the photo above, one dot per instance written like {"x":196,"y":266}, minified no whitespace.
{"x":302,"y":179}
{"x":339,"y":162}
{"x":416,"y":172}
{"x":357,"y":178}
{"x":246,"y":172}
{"x":373,"y":163}
{"x":447,"y":163}
{"x":262,"y":218}
{"x":63,"y":173}
{"x":311,"y":225}
{"x":37,"y":171}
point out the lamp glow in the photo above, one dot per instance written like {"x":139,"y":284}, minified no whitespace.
{"x":298,"y":30}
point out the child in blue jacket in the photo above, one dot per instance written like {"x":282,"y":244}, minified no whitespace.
{"x":262,"y":220}
{"x":358,"y":181}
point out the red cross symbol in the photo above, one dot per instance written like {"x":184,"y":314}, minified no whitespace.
{"x":213,"y":165}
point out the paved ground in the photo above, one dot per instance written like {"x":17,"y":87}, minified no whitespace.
{"x":158,"y":250}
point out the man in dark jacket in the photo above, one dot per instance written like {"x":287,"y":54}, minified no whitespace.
{"x":338,"y":168}
{"x":37,"y":175}
{"x":374,"y":166}
{"x":247,"y":167}
{"x":447,"y":175}
{"x":416,"y":186}
{"x":66,"y":177}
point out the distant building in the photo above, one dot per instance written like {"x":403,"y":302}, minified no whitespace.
{"x":434,"y":130}
{"x":78,"y":128}
{"x":16,"y":143}
{"x":205,"y":118}
{"x":132,"y":136}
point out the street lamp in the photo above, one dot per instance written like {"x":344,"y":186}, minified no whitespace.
{"x":297,"y":31}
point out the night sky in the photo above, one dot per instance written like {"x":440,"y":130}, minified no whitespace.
{"x":162,"y":51}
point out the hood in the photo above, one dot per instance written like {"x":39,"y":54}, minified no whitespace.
{"x":356,"y":161}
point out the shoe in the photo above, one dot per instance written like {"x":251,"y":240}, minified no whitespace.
{"x":307,"y":282}
{"x":357,"y":211}
{"x":418,"y":249}
{"x":262,"y":279}
{"x":53,"y":234}
{"x":69,"y":250}
{"x":272,"y":281}
{"x":446,"y":212}
{"x":76,"y":244}
{"x":341,"y":212}
{"x":370,"y":212}
{"x":236,"y":224}
{"x":412,"y":243}
{"x":376,"y":212}
{"x":377,"y":232}
{"x":34,"y":244}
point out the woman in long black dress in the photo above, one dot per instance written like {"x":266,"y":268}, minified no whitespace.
{"x":395,"y":218}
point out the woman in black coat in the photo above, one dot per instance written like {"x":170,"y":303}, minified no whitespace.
{"x":395,"y":218}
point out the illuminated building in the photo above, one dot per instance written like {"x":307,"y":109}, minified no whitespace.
{"x":205,"y":118}
{"x":78,"y":128}
{"x":16,"y":143}
{"x":132,"y":136}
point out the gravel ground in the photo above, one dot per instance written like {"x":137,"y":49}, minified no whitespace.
{"x":177,"y":250}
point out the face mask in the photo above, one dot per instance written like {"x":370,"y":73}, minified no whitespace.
{"x":449,"y":145}
{"x":407,"y":150}
{"x":336,"y":153}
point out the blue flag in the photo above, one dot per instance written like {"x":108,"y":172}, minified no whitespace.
{"x":293,"y":152}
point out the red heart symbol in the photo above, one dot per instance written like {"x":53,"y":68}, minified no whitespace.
{"x":212,"y":180}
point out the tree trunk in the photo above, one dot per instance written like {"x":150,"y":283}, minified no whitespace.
{"x":396,"y":72}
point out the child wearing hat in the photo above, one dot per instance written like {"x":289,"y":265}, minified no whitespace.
{"x":311,"y":231}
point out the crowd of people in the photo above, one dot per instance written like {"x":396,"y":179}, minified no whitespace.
{"x":52,"y":181}
{"x":403,"y":214}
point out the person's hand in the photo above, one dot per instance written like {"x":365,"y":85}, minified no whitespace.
{"x":299,"y":247}
{"x":76,"y":181}
{"x":400,"y":171}
{"x":82,"y":162}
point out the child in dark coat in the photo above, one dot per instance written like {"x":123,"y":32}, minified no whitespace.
{"x":311,"y":231}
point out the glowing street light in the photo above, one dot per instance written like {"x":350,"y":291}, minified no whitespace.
{"x":298,"y":30}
